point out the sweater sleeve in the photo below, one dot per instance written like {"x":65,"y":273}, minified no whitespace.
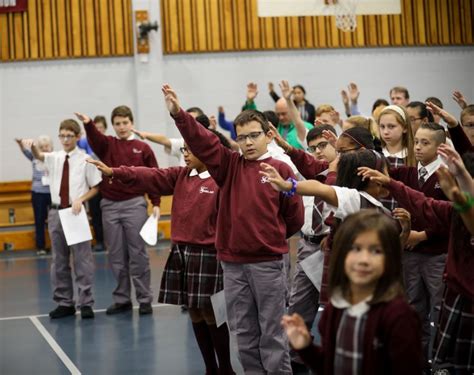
{"x":306,"y":164}
{"x":98,"y":142}
{"x":223,"y":123}
{"x":205,"y":145}
{"x":461,"y":142}
{"x":149,"y":160}
{"x":312,"y":357}
{"x":436,"y":213}
{"x":143,"y":180}
{"x":274,"y":96}
{"x":28,"y":154}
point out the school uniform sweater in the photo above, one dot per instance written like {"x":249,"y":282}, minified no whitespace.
{"x":440,"y":215}
{"x":436,"y":242}
{"x":195,"y":196}
{"x":307,"y":165}
{"x":391,"y":342}
{"x":461,"y":141}
{"x":254,"y":220}
{"x":115,"y":152}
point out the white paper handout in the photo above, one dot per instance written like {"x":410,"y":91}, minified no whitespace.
{"x":313,"y":268}
{"x":149,"y":231}
{"x":218,"y":305}
{"x":75,"y":227}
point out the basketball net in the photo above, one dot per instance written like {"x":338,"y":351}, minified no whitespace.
{"x":344,"y":11}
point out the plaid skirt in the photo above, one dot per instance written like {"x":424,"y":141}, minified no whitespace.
{"x":191,"y":276}
{"x":454,"y":342}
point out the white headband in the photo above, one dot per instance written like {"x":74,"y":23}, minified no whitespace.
{"x":397,"y":109}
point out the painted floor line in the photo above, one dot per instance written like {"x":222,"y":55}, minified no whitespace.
{"x":77,"y":313}
{"x":56,"y":348}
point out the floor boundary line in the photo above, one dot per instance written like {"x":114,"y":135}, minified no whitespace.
{"x":55,"y":346}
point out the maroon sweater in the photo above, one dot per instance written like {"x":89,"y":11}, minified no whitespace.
{"x":115,"y":152}
{"x":254,"y":220}
{"x":307,"y":165}
{"x":461,"y":141}
{"x":194,"y":207}
{"x":442,"y":218}
{"x":437,"y":243}
{"x":392,"y":341}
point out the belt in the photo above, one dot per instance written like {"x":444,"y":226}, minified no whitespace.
{"x":314,"y":239}
{"x":56,"y":207}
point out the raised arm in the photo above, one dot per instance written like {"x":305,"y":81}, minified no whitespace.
{"x":153,"y":137}
{"x":30,"y":143}
{"x":26,"y":152}
{"x":98,"y":141}
{"x":295,"y":115}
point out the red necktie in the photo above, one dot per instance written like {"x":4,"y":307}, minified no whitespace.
{"x":64,"y":189}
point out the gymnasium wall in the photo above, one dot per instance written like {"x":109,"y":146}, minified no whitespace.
{"x":36,"y":95}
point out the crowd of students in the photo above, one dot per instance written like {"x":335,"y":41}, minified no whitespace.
{"x":383,"y":204}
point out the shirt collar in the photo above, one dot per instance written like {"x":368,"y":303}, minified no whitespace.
{"x":266,"y":155}
{"x":71,"y":153}
{"x":431,"y":168}
{"x":400,"y":154}
{"x":202,"y":175}
{"x":357,"y":310}
{"x":131,"y":138}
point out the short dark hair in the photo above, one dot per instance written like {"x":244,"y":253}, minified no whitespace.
{"x":421,"y":107}
{"x":440,"y":133}
{"x":401,"y":89}
{"x":272,"y":117}
{"x":378,"y":103}
{"x":71,"y":125}
{"x":468,"y":111}
{"x":101,"y":119}
{"x":360,"y":136}
{"x":222,"y":138}
{"x":196,"y":110}
{"x":122,"y":111}
{"x":249,"y":115}
{"x":300,"y":87}
{"x":390,"y":284}
{"x":203,"y":120}
{"x":435,"y":100}
{"x":317,"y":132}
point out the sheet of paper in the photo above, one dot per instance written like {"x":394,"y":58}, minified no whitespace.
{"x":75,"y":227}
{"x":149,"y":231}
{"x":218,"y":305}
{"x":313,"y":268}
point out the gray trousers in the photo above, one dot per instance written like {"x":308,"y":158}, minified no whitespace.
{"x":423,"y":274}
{"x":304,"y":297}
{"x":255,"y":301}
{"x":61,"y":280}
{"x":122,"y":221}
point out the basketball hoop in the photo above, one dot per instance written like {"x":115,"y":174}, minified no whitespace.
{"x":345,"y":13}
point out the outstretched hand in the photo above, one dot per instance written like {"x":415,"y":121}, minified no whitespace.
{"x":353,"y":92}
{"x":279,"y":139}
{"x":330,"y":137}
{"x":459,"y":98}
{"x":171,"y":99}
{"x":252,"y":91}
{"x":83,"y":118}
{"x":449,"y":186}
{"x":296,"y":330}
{"x":106,"y":171}
{"x":272,"y":175}
{"x":446,"y":116}
{"x":404,"y":218}
{"x":140,"y":134}
{"x":373,"y":175}
{"x":452,"y":159}
{"x":286,"y":90}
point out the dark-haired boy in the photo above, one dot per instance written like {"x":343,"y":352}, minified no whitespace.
{"x":72,"y":182}
{"x":252,"y":227}
{"x":124,"y":212}
{"x":425,"y":256}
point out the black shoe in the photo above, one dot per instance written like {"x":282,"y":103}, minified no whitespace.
{"x":145,"y":308}
{"x":184,"y":308}
{"x":87,"y":312}
{"x":118,"y":308}
{"x":299,"y":368}
{"x":62,"y":311}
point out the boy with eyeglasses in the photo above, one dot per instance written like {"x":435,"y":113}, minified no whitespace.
{"x":252,"y":227}
{"x":123,"y":211}
{"x":72,"y":182}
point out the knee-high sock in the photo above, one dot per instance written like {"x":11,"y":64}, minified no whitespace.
{"x":204,"y":340}
{"x":220,"y":338}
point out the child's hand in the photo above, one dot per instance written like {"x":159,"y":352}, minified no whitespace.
{"x":286,"y":90}
{"x":330,"y":137}
{"x":452,"y":158}
{"x":106,"y":171}
{"x":140,"y":134}
{"x":415,"y":238}
{"x":435,"y":110}
{"x":353,"y":92}
{"x":296,"y":331}
{"x":345,"y":98}
{"x":271,"y":87}
{"x":27,"y":143}
{"x":171,"y":99}
{"x":83,"y":118}
{"x":252,"y":91}
{"x":460,"y":99}
{"x":18,"y":140}
{"x":277,"y":182}
{"x":212,"y":122}
{"x":76,"y":207}
{"x":156,"y":212}
{"x":373,"y":175}
{"x":220,"y":109}
{"x":449,"y":186}
{"x":279,"y":139}
{"x":404,"y":217}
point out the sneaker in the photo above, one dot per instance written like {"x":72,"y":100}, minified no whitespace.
{"x":41,"y":252}
{"x":145,"y":308}
{"x":62,"y":311}
{"x":118,"y":308}
{"x":87,"y":312}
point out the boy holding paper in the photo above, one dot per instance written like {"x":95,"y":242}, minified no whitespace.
{"x":72,"y":182}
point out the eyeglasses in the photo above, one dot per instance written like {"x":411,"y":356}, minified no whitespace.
{"x":66,"y":137}
{"x":251,"y":136}
{"x":320,"y":146}
{"x":183,"y":150}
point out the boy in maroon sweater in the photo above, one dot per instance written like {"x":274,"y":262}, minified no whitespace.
{"x":425,"y":256}
{"x":253,"y":224}
{"x":123,"y":211}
